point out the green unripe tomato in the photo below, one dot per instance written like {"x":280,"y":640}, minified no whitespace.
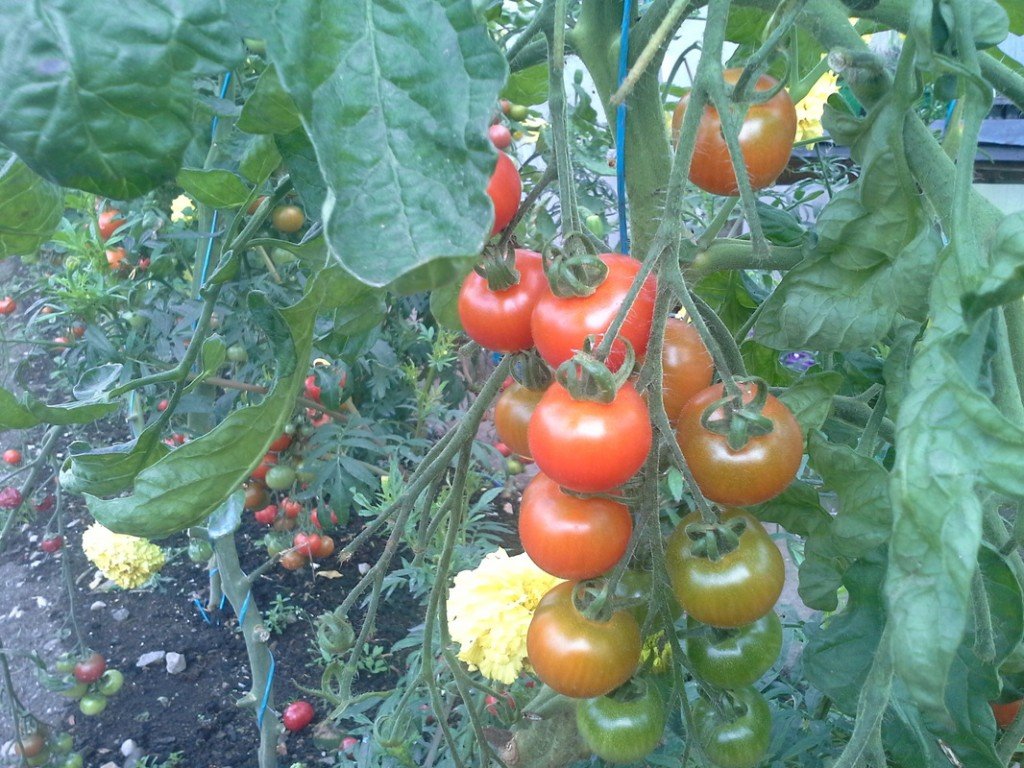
{"x":595,"y":224}
{"x":92,"y":704}
{"x":518,"y":112}
{"x":199,"y":551}
{"x":76,"y":691}
{"x":304,"y":472}
{"x":65,"y":664}
{"x":62,"y":742}
{"x":733,"y":658}
{"x":41,"y":759}
{"x":74,"y":760}
{"x":280,"y":477}
{"x":110,"y":683}
{"x":623,"y":727}
{"x":237,"y":353}
{"x":255,"y":45}
{"x":514,"y":466}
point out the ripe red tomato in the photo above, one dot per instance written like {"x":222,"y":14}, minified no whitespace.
{"x":260,"y":473}
{"x":324,"y":549}
{"x":291,"y":507}
{"x":560,"y":325}
{"x":51,"y":544}
{"x":90,"y":669}
{"x":512,"y":415}
{"x":30,"y":745}
{"x":504,"y":188}
{"x":267,"y":515}
{"x":8,"y":305}
{"x":587,"y":446}
{"x":569,"y":537}
{"x":314,"y":518}
{"x":500,"y":136}
{"x":109,"y":220}
{"x":766,"y":141}
{"x":736,"y":589}
{"x":162,"y":405}
{"x":255,"y":204}
{"x":78,"y":329}
{"x":500,"y":320}
{"x":116,"y":257}
{"x":576,"y":656}
{"x":686,"y":366}
{"x":297,"y":715}
{"x":293,"y":560}
{"x":12,"y":456}
{"x":281,"y":443}
{"x":307,"y":544}
{"x":312,"y":389}
{"x":255,"y":495}
{"x":287,"y":218}
{"x":1006,"y":713}
{"x":760,"y":470}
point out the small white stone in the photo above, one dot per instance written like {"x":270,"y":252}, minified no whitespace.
{"x":99,"y":605}
{"x":129,"y":748}
{"x":119,"y":614}
{"x":152,"y":657}
{"x":363,"y":568}
{"x":41,"y":602}
{"x":175,"y":663}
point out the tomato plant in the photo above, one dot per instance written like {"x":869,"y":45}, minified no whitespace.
{"x":504,"y":189}
{"x":500,"y":320}
{"x":588,"y":446}
{"x":287,"y":218}
{"x":578,"y":656}
{"x":625,"y":726}
{"x":736,"y":588}
{"x":756,"y":472}
{"x":110,"y":682}
{"x":737,"y":737}
{"x":733,"y":658}
{"x":766,"y":140}
{"x":561,"y":324}
{"x":297,"y":715}
{"x":570,"y":537}
{"x":512,"y":414}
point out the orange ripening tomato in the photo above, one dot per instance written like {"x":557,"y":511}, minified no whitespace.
{"x":766,"y":140}
{"x":686,"y":366}
{"x":500,"y":320}
{"x":512,"y":415}
{"x":505,"y":189}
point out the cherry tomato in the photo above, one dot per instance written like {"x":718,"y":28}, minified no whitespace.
{"x":297,"y":715}
{"x":281,"y":443}
{"x":738,"y":588}
{"x":92,"y":704}
{"x":74,"y":760}
{"x":569,"y":537}
{"x":30,"y":744}
{"x":307,"y":544}
{"x":500,"y":136}
{"x":625,"y":726}
{"x":78,"y":329}
{"x":111,"y":682}
{"x":287,"y":218}
{"x":766,"y":140}
{"x":199,"y":551}
{"x":738,"y":738}
{"x":109,"y":220}
{"x":314,"y":518}
{"x":312,"y":389}
{"x":291,"y":507}
{"x":1006,"y":713}
{"x":12,"y":456}
{"x":255,"y":495}
{"x":90,"y":669}
{"x":760,"y":470}
{"x":293,"y":560}
{"x":512,"y":415}
{"x":500,"y":320}
{"x":267,"y":515}
{"x":51,"y":544}
{"x":237,"y":353}
{"x":588,"y":446}
{"x":260,"y":473}
{"x":686,"y":366}
{"x":280,"y":478}
{"x":504,"y":188}
{"x":8,"y":305}
{"x":255,"y":204}
{"x":325,"y":548}
{"x":576,"y":656}
{"x":733,"y":658}
{"x":560,"y":325}
{"x":116,"y":257}
{"x":162,"y":405}
{"x":503,"y":449}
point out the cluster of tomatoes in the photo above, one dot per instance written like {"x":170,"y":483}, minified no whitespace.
{"x":36,"y":745}
{"x":108,"y":222}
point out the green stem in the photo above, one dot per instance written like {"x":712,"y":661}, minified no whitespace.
{"x":1007,"y":745}
{"x":872,"y":705}
{"x":984,"y":644}
{"x":1013,"y":320}
{"x":866,"y":444}
{"x":560,"y":141}
{"x":653,"y":48}
{"x":1007,"y":385}
{"x":728,"y":253}
{"x":541,"y":19}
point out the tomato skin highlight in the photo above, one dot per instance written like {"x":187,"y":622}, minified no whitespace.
{"x":500,"y":320}
{"x":737,"y":657}
{"x":766,"y":140}
{"x":738,"y":588}
{"x":587,"y":446}
{"x":622,"y":730}
{"x":560,"y":325}
{"x":569,"y":537}
{"x":576,"y":656}
{"x":505,"y":188}
{"x":740,"y":742}
{"x":686,"y":366}
{"x":759,"y":471}
{"x":512,"y":414}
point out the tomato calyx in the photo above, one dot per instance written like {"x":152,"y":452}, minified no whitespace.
{"x":585,"y":377}
{"x":529,"y":370}
{"x":595,"y":601}
{"x":574,"y":269}
{"x":738,"y":416}
{"x":498,"y":267}
{"x":713,"y":541}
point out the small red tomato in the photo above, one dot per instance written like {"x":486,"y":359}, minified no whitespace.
{"x":116,"y":257}
{"x":1006,"y":713}
{"x":312,"y":389}
{"x":143,"y":264}
{"x":281,"y":443}
{"x":325,"y":548}
{"x":267,"y":515}
{"x":60,"y":343}
{"x":291,"y":507}
{"x":503,"y":449}
{"x":12,"y":456}
{"x":307,"y":544}
{"x":162,"y":405}
{"x":51,"y":544}
{"x":47,"y":503}
{"x":178,"y":438}
{"x":256,"y":204}
{"x":297,"y":715}
{"x":10,"y":498}
{"x":8,"y":305}
{"x":90,"y":669}
{"x":314,"y":518}
{"x":78,"y":329}
{"x":260,"y":473}
{"x":504,"y":189}
{"x":500,"y":320}
{"x":109,"y":221}
{"x":500,"y":135}
{"x":349,"y":743}
{"x":292,"y":560}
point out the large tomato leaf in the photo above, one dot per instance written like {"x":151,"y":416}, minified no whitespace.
{"x":27,"y":412}
{"x":30,"y":208}
{"x":186,"y":485}
{"x":111,"y":469}
{"x":269,"y":108}
{"x":404,"y":153}
{"x":214,"y":187}
{"x":1004,"y":280}
{"x":103,"y":99}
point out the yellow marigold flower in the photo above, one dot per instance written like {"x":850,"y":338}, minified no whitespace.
{"x":127,"y":561}
{"x":811,"y":107}
{"x":489,"y":612}
{"x":183,"y":208}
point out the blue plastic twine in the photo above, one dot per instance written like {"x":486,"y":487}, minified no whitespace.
{"x":266,"y":693}
{"x":213,"y":220}
{"x":620,"y":130}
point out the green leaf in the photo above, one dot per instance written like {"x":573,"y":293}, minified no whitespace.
{"x":797,"y":509}
{"x":112,"y":469}
{"x":216,"y":188}
{"x":780,"y":227}
{"x":212,"y":357}
{"x":260,"y":159}
{"x":990,"y":22}
{"x":28,"y":412}
{"x":299,"y":158}
{"x":764,"y":362}
{"x":1015,"y":15}
{"x":444,"y":305}
{"x":30,"y":208}
{"x":186,"y":485}
{"x":269,"y":108}
{"x":404,"y":153}
{"x":1004,"y":280}
{"x":113,"y":125}
{"x":226,"y":519}
{"x":810,"y":399}
{"x":528,"y":86}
